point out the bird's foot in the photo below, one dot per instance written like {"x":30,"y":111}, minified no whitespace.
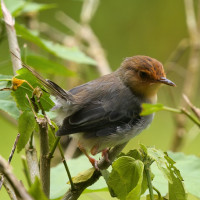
{"x":94,"y":163}
{"x":105,"y":155}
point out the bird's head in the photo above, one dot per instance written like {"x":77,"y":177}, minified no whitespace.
{"x":144,"y":75}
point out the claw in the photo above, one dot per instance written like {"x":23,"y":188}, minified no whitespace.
{"x":105,"y":155}
{"x":92,"y":160}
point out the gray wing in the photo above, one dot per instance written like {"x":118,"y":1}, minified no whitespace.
{"x":107,"y":107}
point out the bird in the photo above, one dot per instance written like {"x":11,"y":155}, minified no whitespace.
{"x":105,"y":112}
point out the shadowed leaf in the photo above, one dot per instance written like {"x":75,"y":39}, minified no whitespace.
{"x":68,"y":53}
{"x":24,"y":89}
{"x":26,"y":125}
{"x":45,"y":65}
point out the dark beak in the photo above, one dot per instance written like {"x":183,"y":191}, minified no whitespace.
{"x":166,"y":81}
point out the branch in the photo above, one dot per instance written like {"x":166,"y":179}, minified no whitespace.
{"x":103,"y":164}
{"x":9,"y":189}
{"x":195,"y":110}
{"x":12,"y":38}
{"x":85,"y":33}
{"x":44,"y":151}
{"x":19,"y":189}
{"x":191,"y":80}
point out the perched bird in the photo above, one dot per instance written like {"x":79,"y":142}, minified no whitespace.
{"x":106,"y":112}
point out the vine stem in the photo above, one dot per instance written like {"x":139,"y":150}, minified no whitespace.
{"x":185,"y":112}
{"x":57,"y":143}
{"x":147,"y":171}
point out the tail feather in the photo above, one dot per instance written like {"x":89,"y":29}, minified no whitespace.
{"x":53,"y":88}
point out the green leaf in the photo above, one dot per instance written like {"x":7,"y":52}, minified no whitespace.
{"x":5,"y":81}
{"x":14,"y":8}
{"x":189,"y":166}
{"x":26,"y":126}
{"x":24,"y":89}
{"x":68,"y":53}
{"x":10,"y":107}
{"x":36,"y":190}
{"x":126,"y":178}
{"x":176,"y":189}
{"x":31,"y":7}
{"x":7,"y":104}
{"x":48,"y":66}
{"x":21,"y":6}
{"x":159,"y":157}
{"x":148,"y":109}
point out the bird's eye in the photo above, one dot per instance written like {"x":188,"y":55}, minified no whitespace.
{"x":143,"y":75}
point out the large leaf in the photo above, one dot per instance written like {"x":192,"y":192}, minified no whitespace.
{"x":189,"y":166}
{"x":48,"y":66}
{"x":176,"y":189}
{"x":24,"y":89}
{"x":126,"y":178}
{"x":69,"y":53}
{"x":25,"y":128}
{"x":9,"y":106}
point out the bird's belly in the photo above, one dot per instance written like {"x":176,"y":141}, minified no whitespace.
{"x":122,"y":135}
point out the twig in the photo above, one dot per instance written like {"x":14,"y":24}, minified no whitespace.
{"x":103,"y":164}
{"x":10,"y":157}
{"x":9,"y":190}
{"x":87,"y":35}
{"x":53,"y":148}
{"x":66,"y":167}
{"x":13,"y":149}
{"x":147,"y":172}
{"x":183,"y":111}
{"x":57,"y":143}
{"x":195,"y":110}
{"x":12,"y":38}
{"x":196,"y":121}
{"x":88,"y":10}
{"x":19,"y":189}
{"x":191,"y":80}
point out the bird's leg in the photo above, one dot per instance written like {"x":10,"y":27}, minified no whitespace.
{"x":105,"y":154}
{"x":92,"y":160}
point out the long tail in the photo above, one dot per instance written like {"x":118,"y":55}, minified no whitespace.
{"x":52,"y":87}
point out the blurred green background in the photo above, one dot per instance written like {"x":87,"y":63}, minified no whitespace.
{"x":124,"y":28}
